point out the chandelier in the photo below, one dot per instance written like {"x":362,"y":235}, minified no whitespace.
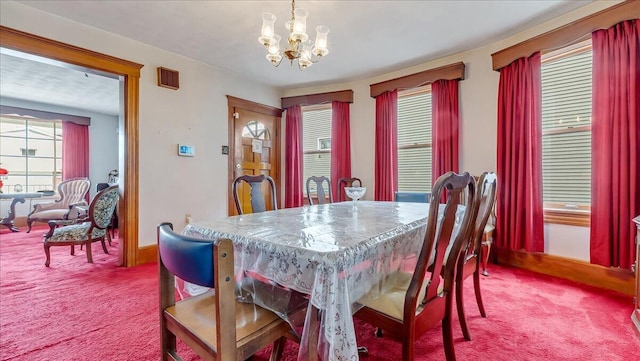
{"x":301,"y":48}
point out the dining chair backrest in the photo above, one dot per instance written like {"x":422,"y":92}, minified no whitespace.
{"x":256,"y":193}
{"x":415,"y":197}
{"x":485,"y":200}
{"x":439,"y":235}
{"x":409,"y":310}
{"x":346,"y":182}
{"x":469,"y":260}
{"x":319,"y":182}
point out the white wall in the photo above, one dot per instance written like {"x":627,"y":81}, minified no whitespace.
{"x":478,"y":100}
{"x":196,"y":114}
{"x":103,"y":146}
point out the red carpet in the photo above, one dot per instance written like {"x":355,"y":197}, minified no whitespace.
{"x":80,"y":311}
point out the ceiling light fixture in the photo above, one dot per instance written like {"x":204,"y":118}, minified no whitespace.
{"x":300,"y":49}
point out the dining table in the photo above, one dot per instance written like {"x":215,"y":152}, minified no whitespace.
{"x":331,"y":254}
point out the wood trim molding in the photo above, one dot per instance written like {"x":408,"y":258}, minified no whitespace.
{"x":234,"y":102}
{"x":579,"y":218}
{"x":568,"y":34}
{"x":447,"y":72}
{"x":148,"y":254}
{"x":320,"y":98}
{"x":130,"y":71}
{"x":614,"y":279}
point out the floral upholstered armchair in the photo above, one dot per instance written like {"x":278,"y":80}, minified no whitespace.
{"x":72,"y":193}
{"x":84,"y":231}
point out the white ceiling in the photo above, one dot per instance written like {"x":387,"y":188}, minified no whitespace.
{"x":367,"y":38}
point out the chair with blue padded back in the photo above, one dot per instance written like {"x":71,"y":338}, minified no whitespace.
{"x":197,"y":320}
{"x":416,"y":197}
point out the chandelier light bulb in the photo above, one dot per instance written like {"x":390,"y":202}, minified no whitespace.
{"x":268,"y":23}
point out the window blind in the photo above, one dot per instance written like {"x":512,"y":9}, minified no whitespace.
{"x":316,"y":125}
{"x":566,"y":128}
{"x":414,"y":142}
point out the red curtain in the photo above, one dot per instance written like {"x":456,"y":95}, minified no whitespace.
{"x":446,"y":122}
{"x":340,"y":144}
{"x":293,"y":158}
{"x":615,"y":144}
{"x":519,"y":160}
{"x":386,"y":152}
{"x":75,"y":150}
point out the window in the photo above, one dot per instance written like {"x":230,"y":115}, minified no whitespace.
{"x":566,"y":134}
{"x":414,"y":140}
{"x":20,"y":137}
{"x":316,"y":143}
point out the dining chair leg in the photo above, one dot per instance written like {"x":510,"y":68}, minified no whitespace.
{"x":278,"y":348}
{"x":476,"y":286}
{"x":486,"y":248}
{"x":460,"y":306}
{"x":447,"y":332}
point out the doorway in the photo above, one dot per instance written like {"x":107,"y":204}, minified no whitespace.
{"x":254,"y":146}
{"x":129,"y":72}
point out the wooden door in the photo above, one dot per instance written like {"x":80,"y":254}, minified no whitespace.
{"x":254,"y":148}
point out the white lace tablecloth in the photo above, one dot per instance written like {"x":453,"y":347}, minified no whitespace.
{"x":334,"y":252}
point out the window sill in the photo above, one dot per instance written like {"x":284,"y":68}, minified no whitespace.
{"x":570,"y":217}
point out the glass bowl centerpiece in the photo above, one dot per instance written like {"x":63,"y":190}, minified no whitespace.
{"x":355,"y":193}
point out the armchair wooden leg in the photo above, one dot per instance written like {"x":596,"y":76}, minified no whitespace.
{"x":104,"y":246}
{"x":47,"y":254}
{"x":89,"y":255}
{"x":29,"y":223}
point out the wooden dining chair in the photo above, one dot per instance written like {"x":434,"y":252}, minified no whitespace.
{"x":214,"y":325}
{"x":412,"y":303}
{"x":256,"y":194}
{"x":318,"y":182}
{"x":469,"y":262}
{"x":346,"y":182}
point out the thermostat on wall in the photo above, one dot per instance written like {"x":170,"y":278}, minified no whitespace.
{"x":186,"y":150}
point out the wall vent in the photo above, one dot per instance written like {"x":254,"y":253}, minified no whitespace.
{"x":168,"y":78}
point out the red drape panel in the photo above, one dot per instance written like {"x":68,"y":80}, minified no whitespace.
{"x":386,"y":152}
{"x":340,"y":144}
{"x":446,"y":124}
{"x":615,"y":143}
{"x":519,"y":160}
{"x":293,"y":158}
{"x":75,"y":150}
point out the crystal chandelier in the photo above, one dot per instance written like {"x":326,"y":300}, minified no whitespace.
{"x":300,"y":49}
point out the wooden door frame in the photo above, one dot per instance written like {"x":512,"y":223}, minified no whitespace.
{"x":234,"y":102}
{"x":130,"y":72}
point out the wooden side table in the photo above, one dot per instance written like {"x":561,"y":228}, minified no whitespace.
{"x":17,"y":198}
